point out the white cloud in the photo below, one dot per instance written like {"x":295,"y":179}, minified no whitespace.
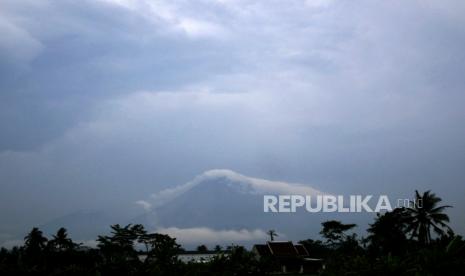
{"x":264,"y":186}
{"x":259,"y":186}
{"x":144,"y":204}
{"x":204,"y":235}
{"x":197,"y":28}
{"x":88,"y":243}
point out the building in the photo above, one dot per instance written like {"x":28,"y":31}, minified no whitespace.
{"x":289,"y":258}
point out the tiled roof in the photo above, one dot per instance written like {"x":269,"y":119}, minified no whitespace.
{"x":282,"y":249}
{"x":262,"y":249}
{"x":301,"y":250}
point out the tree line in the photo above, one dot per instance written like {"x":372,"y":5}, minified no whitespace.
{"x":406,"y":241}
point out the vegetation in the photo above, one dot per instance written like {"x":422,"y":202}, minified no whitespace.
{"x":406,"y":241}
{"x":272,"y":233}
{"x":427,"y":215}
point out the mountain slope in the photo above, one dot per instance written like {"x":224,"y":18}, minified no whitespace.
{"x":223,"y":199}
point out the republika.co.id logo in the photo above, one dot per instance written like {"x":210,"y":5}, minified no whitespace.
{"x":333,"y":203}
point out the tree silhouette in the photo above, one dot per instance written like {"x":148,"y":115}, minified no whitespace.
{"x":426,"y":214}
{"x":163,"y":248}
{"x":162,"y":254}
{"x":35,"y":241}
{"x":388,"y":232}
{"x":202,"y":248}
{"x":118,"y":249}
{"x":61,"y":242}
{"x":334,"y":231}
{"x":34,"y":247}
{"x":272,"y":233}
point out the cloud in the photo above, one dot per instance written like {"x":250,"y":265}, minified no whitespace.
{"x":17,"y":45}
{"x":88,"y":243}
{"x":204,"y":235}
{"x":263,"y":186}
{"x":257,"y":185}
{"x":144,"y":204}
{"x":173,"y":17}
{"x":318,"y":3}
{"x":197,"y":28}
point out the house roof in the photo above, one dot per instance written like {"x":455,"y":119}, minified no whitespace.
{"x":282,"y":249}
{"x":301,"y":250}
{"x":262,"y":250}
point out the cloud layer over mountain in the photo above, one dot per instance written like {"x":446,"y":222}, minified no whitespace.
{"x":239,"y":182}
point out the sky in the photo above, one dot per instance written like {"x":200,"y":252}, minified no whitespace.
{"x":103,"y":102}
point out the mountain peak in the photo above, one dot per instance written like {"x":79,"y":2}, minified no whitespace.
{"x":225,"y":178}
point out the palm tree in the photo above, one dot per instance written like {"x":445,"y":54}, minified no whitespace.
{"x":120,"y":245}
{"x":272,"y":233}
{"x":426,"y":215}
{"x":61,"y":242}
{"x":35,"y":241}
{"x":34,"y":247}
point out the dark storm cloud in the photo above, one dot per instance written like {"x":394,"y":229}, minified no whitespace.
{"x":60,"y":58}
